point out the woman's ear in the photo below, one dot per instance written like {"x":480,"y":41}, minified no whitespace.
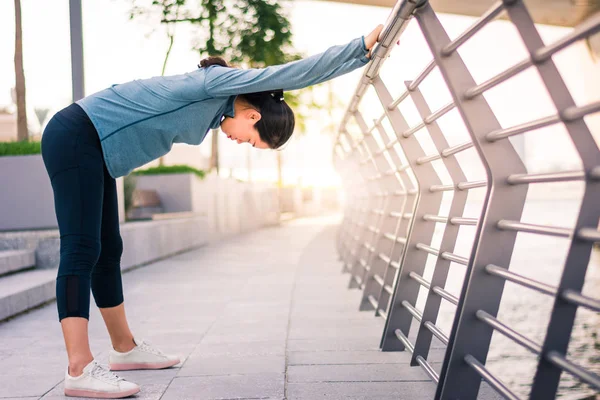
{"x":255,"y":116}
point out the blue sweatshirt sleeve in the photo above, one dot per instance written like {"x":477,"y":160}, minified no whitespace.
{"x":333,"y":62}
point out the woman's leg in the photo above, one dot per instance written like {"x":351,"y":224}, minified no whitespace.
{"x":73,"y":298}
{"x":118,"y":329}
{"x":107,"y":286}
{"x":75,"y":333}
{"x":74,"y":165}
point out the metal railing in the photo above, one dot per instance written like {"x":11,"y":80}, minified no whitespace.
{"x":394,"y":195}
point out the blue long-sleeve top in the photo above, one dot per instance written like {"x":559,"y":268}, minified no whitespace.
{"x":139,"y":121}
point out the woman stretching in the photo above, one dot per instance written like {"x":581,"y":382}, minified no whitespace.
{"x":106,"y":135}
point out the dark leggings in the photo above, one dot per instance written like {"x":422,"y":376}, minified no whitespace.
{"x":85,"y":200}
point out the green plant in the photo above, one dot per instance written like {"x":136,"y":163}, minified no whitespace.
{"x":171,"y":169}
{"x":19,"y":148}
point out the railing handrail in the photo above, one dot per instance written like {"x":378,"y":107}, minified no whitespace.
{"x":394,"y":26}
{"x":385,"y":253}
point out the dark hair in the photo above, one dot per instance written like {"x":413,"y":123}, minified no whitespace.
{"x":207,"y":62}
{"x":277,"y":121}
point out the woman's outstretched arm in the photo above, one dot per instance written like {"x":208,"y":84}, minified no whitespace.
{"x":335,"y":61}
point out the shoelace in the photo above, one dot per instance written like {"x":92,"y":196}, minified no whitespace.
{"x":101,"y":372}
{"x":146,"y":346}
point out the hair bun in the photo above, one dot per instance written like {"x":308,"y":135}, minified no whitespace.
{"x":277,"y":95}
{"x":207,"y":62}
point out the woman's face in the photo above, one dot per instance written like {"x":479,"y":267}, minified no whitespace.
{"x":241,"y":127}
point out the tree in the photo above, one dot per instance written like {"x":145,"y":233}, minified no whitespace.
{"x":170,"y":10}
{"x":22,"y":133}
{"x":261,"y":37}
{"x":247,"y":33}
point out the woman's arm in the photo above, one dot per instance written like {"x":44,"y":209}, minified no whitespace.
{"x":335,"y":61}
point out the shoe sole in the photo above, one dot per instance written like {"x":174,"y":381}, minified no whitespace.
{"x":100,"y":395}
{"x":130,"y":366}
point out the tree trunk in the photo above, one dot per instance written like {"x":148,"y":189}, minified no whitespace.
{"x":22,"y":133}
{"x":214,"y":154}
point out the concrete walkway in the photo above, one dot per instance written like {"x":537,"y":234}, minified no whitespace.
{"x":266,"y":315}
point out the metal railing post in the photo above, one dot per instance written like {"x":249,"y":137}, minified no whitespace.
{"x":399,"y":243}
{"x":457,"y":207}
{"x":480,"y":290}
{"x":547,"y":377}
{"x":413,"y":260}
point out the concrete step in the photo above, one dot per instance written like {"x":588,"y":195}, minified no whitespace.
{"x":25,"y":290}
{"x":16,"y":260}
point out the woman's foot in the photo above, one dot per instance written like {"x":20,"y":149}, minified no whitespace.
{"x":97,"y":381}
{"x":142,"y":356}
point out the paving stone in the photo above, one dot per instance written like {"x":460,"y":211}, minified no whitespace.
{"x":150,"y":391}
{"x":341,"y":331}
{"x":322,"y":316}
{"x":146,"y":377}
{"x":319,"y":308}
{"x":361,"y":391}
{"x":256,"y":386}
{"x":487,"y":393}
{"x":330,"y":344}
{"x":355,"y":373}
{"x":30,"y":363}
{"x":244,"y":337}
{"x":358,"y":357}
{"x":347,"y":357}
{"x":227,"y":365}
{"x":258,"y":326}
{"x":240,"y":349}
{"x":19,"y":398}
{"x":256,"y":309}
{"x":28,"y":384}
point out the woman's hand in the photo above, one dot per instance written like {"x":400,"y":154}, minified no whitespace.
{"x":373,"y":38}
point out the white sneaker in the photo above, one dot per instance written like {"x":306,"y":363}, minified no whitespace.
{"x":98,"y":382}
{"x":142,"y":356}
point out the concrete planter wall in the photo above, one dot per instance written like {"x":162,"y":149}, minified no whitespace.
{"x":177,"y":192}
{"x":148,"y":241}
{"x":230,"y":206}
{"x":26,"y":197}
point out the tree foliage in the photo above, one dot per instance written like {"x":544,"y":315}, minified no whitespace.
{"x":247,"y":33}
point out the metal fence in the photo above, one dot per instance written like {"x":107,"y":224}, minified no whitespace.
{"x":395,"y":203}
